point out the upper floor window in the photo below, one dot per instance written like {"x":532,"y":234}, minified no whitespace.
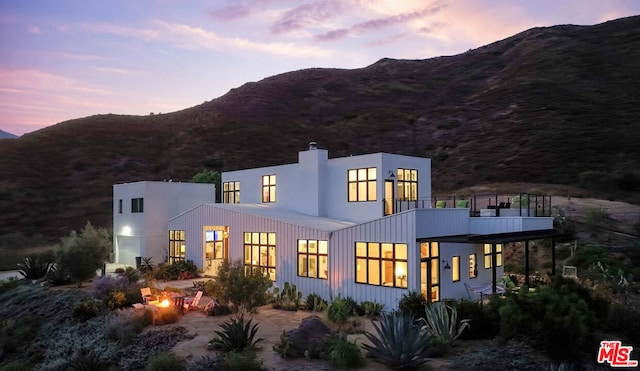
{"x":120,"y":206}
{"x":362,"y":184}
{"x":176,"y":245}
{"x":381,"y":264}
{"x":407,"y":184}
{"x":137,"y":205}
{"x":269,"y":188}
{"x":260,"y":252}
{"x":231,"y":192}
{"x":312,"y":259}
{"x":487,"y":255}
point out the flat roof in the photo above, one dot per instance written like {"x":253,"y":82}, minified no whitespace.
{"x":287,"y":216}
{"x":495,"y":237}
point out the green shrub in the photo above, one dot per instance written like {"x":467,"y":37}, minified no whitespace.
{"x":316,"y":303}
{"x":165,"y":361}
{"x":624,"y":321}
{"x":179,"y":270}
{"x":339,"y":311}
{"x":115,"y":300}
{"x":399,"y":342}
{"x":284,"y":346}
{"x":441,"y":322}
{"x":239,"y":286}
{"x":372,"y":309}
{"x":344,"y":353}
{"x":483,"y":322}
{"x":413,"y":303}
{"x":354,"y":308}
{"x":235,"y":335}
{"x":87,"y":360}
{"x":245,"y":360}
{"x":289,"y":298}
{"x":85,"y":310}
{"x":16,"y":333}
{"x":81,"y":254}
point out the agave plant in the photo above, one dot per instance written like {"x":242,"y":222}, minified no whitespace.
{"x":400,"y":343}
{"x":441,"y":322}
{"x":34,"y":268}
{"x":236,"y":335}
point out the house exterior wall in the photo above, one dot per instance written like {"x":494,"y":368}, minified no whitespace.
{"x":146,"y":231}
{"x":489,"y":225}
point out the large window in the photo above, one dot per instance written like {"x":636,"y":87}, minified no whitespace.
{"x":455,"y":269}
{"x":407,"y":184}
{"x":176,"y":246}
{"x":312,"y":259}
{"x":260,"y":252}
{"x":231,"y":192}
{"x":430,"y":270}
{"x":487,"y":255}
{"x":362,"y":184}
{"x":137,"y":205}
{"x":382,"y":264}
{"x":473,"y":266}
{"x":269,"y":188}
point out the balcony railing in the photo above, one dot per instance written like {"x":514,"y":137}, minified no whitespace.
{"x":520,"y":204}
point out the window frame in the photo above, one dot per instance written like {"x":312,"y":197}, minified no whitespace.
{"x":317,"y":254}
{"x":455,"y":268}
{"x":363,"y":182}
{"x":120,"y":206}
{"x":253,"y":245}
{"x":177,"y":251}
{"x":137,"y":205}
{"x":398,"y":264}
{"x":473,"y":270}
{"x":231,"y":192}
{"x":269,"y":188}
{"x":488,"y":261}
{"x":411,"y":184}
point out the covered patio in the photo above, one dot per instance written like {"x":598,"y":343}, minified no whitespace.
{"x":504,"y":238}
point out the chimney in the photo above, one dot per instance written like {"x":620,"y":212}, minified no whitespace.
{"x":313,"y":146}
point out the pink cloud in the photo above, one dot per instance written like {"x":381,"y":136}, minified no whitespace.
{"x":230,"y":12}
{"x":305,"y":15}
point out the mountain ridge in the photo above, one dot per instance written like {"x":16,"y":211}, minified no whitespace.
{"x":548,"y":105}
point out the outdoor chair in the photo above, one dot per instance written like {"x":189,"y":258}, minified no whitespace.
{"x":480,"y":291}
{"x":511,"y":286}
{"x":462,"y":204}
{"x":147,"y":297}
{"x":192,"y":303}
{"x":441,"y":204}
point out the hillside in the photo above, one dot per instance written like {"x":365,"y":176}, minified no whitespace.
{"x":554,"y":105}
{"x":5,"y":135}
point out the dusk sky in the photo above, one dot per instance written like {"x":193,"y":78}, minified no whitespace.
{"x":67,"y":59}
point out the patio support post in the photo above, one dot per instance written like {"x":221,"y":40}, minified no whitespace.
{"x":526,"y":262}
{"x":494,"y":260}
{"x":553,"y":256}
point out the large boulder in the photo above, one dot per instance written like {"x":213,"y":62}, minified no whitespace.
{"x":308,"y":340}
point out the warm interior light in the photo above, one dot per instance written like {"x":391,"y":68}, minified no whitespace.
{"x":399,"y":271}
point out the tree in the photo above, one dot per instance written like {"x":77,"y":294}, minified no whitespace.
{"x":209,"y":176}
{"x":240,"y":286}
{"x":82,"y":254}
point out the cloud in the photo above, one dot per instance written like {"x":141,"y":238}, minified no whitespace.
{"x":378,"y":23}
{"x":230,"y":12}
{"x":306,"y":15}
{"x":117,"y":71}
{"x":34,"y":30}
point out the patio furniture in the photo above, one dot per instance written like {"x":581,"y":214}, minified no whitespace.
{"x":441,"y":204}
{"x":478,"y":292}
{"x":192,"y":303}
{"x":147,"y":297}
{"x":462,"y":204}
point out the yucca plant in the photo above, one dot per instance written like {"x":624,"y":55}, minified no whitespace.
{"x":400,"y":343}
{"x":236,"y":335}
{"x":344,"y":353}
{"x":441,"y":321}
{"x":34,"y":267}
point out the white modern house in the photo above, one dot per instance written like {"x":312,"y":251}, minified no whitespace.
{"x":362,"y":226}
{"x":141,"y":213}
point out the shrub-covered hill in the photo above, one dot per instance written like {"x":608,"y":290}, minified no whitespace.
{"x":553,"y":105}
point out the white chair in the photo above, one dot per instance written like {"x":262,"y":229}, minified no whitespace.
{"x":192,"y":303}
{"x":147,"y":297}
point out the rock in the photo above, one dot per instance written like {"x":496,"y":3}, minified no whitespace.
{"x":307,"y":339}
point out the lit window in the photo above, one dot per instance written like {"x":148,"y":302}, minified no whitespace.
{"x":231,"y":192}
{"x":473,"y":266}
{"x":269,"y":188}
{"x":382,"y":264}
{"x":407,"y":184}
{"x":260,"y":252}
{"x":312,"y":259}
{"x":137,"y":205}
{"x":176,"y":246}
{"x":361,"y":184}
{"x":487,"y":255}
{"x":455,"y":268}
{"x":430,"y":270}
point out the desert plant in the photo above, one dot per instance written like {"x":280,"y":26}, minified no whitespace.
{"x":84,"y":253}
{"x":243,"y":288}
{"x":354,"y":308}
{"x":85,"y":310}
{"x":289,"y":298}
{"x":58,"y":275}
{"x":441,"y":321}
{"x":116,"y":299}
{"x":344,"y":353}
{"x":399,"y":342}
{"x":413,"y":303}
{"x":372,"y":309}
{"x":339,"y":311}
{"x":283,"y":346}
{"x":87,"y":360}
{"x":316,"y":303}
{"x":103,"y":286}
{"x":245,"y":360}
{"x":165,"y":361}
{"x":35,"y":267}
{"x":484,"y":323}
{"x":236,"y":335}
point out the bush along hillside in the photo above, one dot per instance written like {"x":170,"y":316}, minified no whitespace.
{"x":551,"y":105}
